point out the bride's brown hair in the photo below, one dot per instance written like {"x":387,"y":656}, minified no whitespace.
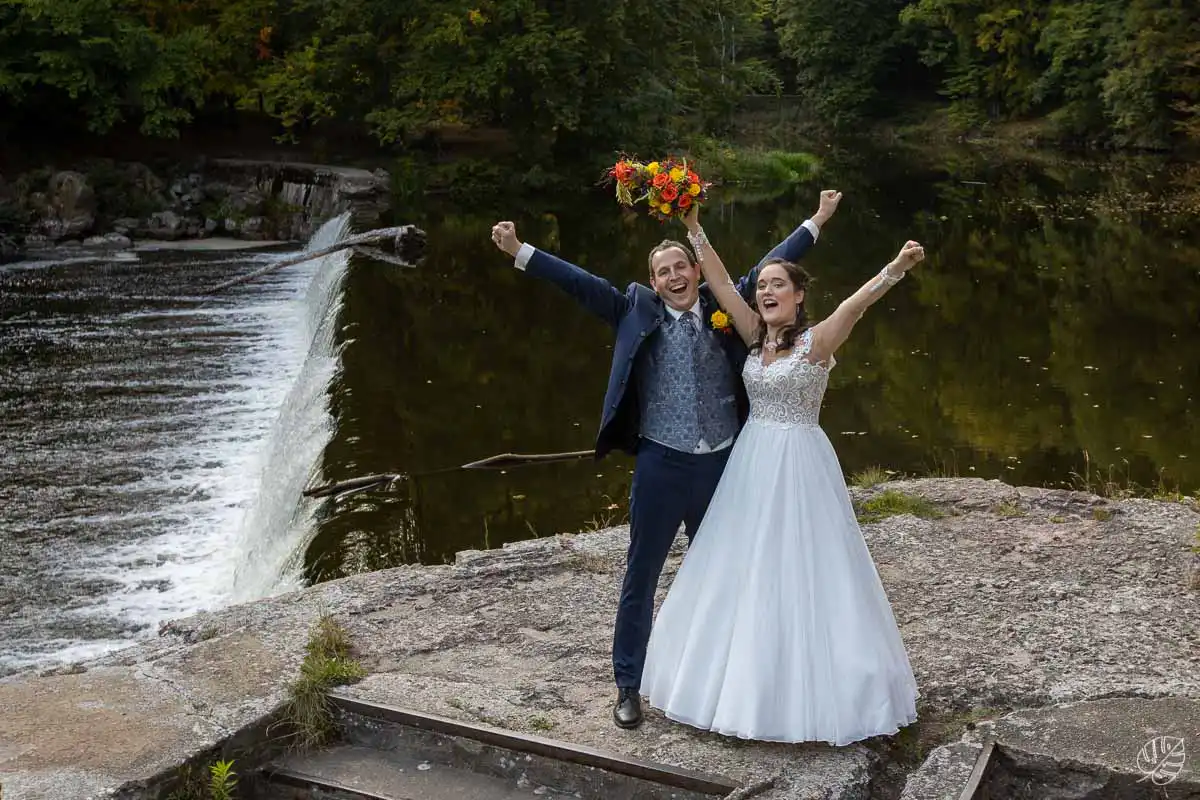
{"x":801,"y":280}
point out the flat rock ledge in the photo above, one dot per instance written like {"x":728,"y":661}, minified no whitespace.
{"x":1039,"y":618}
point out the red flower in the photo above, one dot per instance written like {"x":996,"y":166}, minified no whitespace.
{"x":623,"y":172}
{"x":693,"y":177}
{"x":661,"y":180}
{"x":669,"y":192}
{"x":685,"y":201}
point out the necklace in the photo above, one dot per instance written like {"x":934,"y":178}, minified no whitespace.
{"x":770,"y":347}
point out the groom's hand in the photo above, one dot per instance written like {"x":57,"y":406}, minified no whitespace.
{"x":829,"y":203}
{"x":504,"y":236}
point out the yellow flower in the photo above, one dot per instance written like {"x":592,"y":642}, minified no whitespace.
{"x":652,"y":168}
{"x":665,"y":208}
{"x":476,"y":17}
{"x":694,"y":189}
{"x":720,"y":320}
{"x":677,"y":174}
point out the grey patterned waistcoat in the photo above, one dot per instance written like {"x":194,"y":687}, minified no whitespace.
{"x":686,"y":388}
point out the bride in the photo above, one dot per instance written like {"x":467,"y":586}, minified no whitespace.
{"x":777,"y":626}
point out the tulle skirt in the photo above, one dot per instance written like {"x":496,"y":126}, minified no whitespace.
{"x":777,"y":626}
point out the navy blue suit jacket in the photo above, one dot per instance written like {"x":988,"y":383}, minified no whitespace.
{"x":636,"y":314}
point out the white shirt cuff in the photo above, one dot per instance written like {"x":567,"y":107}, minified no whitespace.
{"x":812,"y":228}
{"x":526,"y":253}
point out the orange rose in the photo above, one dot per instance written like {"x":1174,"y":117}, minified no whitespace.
{"x":661,"y":179}
{"x":685,"y":201}
{"x":623,"y":172}
{"x":693,"y":177}
{"x":669,"y":192}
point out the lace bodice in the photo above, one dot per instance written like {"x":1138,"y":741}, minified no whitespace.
{"x":787,"y":392}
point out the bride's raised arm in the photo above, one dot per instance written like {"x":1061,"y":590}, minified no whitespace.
{"x":745,"y":319}
{"x":829,"y":334}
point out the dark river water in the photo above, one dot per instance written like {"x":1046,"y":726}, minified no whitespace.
{"x":154,"y":451}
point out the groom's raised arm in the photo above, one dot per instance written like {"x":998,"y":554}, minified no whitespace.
{"x":590,"y":291}
{"x":796,"y":244}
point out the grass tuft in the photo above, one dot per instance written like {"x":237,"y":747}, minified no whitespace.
{"x":1008,"y":509}
{"x":308,"y":714}
{"x":891,"y":503}
{"x":750,"y":166}
{"x":870,"y":477}
{"x":1115,"y":486}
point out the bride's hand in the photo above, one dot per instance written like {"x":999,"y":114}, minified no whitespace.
{"x":692,"y":218}
{"x":911,"y":254}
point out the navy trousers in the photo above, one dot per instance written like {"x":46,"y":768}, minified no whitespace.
{"x":669,"y":487}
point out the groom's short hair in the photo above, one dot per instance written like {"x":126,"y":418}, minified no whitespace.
{"x":667,"y":244}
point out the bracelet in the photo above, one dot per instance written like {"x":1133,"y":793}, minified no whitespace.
{"x":698,"y":240}
{"x":886,"y":279}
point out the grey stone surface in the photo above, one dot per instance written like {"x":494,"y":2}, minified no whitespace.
{"x":944,"y":773}
{"x":1127,"y":747}
{"x":1025,"y":597}
{"x":1016,"y":598}
{"x":1074,"y":750}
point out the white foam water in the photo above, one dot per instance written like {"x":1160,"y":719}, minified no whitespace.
{"x":279,"y":523}
{"x":153,"y":445}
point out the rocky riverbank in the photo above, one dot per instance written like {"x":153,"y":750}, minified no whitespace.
{"x":1064,"y":625}
{"x":107,"y":205}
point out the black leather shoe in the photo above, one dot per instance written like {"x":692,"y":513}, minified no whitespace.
{"x":627,"y":713}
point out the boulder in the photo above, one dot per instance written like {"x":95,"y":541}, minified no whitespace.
{"x":165,"y":225}
{"x":109,"y":241}
{"x":9,"y":249}
{"x":67,"y":209}
{"x":127,"y":225}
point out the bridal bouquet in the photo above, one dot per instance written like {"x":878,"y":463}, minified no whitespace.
{"x":669,"y":187}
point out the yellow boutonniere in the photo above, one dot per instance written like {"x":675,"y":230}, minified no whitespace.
{"x":720,"y":321}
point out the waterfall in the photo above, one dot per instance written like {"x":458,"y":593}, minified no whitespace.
{"x":279,"y":524}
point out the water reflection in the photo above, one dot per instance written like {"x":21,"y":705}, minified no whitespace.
{"x":1057,"y":315}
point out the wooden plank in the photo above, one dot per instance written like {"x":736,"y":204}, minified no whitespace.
{"x":972,"y":789}
{"x":665,"y":774}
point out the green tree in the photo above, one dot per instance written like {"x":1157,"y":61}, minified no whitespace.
{"x":1147,"y":80}
{"x":103,"y":59}
{"x":548,"y":72}
{"x":987,"y":48}
{"x":844,"y":53}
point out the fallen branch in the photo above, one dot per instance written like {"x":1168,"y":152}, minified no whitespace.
{"x":353,"y":485}
{"x":518,"y":460}
{"x":402,"y":246}
{"x":502,"y":461}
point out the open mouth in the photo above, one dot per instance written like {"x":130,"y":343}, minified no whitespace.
{"x":769,"y":302}
{"x":677,"y":288}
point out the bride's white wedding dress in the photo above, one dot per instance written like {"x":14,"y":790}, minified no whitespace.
{"x":777,"y":626}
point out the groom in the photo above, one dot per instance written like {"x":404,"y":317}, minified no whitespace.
{"x":675,"y":400}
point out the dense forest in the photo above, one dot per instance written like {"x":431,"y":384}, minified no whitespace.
{"x":576,"y":75}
